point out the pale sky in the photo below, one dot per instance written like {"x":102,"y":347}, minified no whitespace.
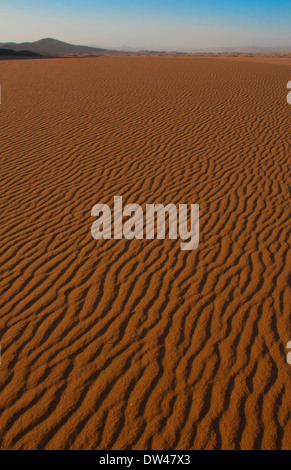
{"x":160,"y":24}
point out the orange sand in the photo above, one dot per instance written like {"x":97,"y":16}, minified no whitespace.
{"x":136,"y":344}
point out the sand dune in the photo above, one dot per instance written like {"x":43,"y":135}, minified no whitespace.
{"x":117,"y":344}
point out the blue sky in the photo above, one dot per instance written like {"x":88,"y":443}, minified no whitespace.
{"x":157,"y":24}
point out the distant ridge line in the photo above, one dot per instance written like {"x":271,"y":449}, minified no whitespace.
{"x":54,"y":47}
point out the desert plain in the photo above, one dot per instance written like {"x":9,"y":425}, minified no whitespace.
{"x":135,"y":344}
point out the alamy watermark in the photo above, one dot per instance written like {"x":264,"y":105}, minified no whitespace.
{"x":140,"y":225}
{"x":289,"y":94}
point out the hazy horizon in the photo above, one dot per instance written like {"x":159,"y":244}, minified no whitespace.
{"x":156,"y":25}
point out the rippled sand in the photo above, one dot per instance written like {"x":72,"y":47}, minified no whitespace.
{"x":118,"y":344}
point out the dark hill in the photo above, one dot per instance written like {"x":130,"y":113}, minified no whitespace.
{"x":11,"y":53}
{"x":52,"y":47}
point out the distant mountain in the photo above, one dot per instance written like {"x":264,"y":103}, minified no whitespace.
{"x":125,"y":48}
{"x":11,"y":53}
{"x":52,"y":47}
{"x":240,"y":49}
{"x":97,"y":46}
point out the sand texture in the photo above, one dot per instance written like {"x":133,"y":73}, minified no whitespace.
{"x":118,"y":344}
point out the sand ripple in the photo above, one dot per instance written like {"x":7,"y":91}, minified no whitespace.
{"x":136,"y":344}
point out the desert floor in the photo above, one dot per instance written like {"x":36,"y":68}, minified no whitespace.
{"x":118,"y":344}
